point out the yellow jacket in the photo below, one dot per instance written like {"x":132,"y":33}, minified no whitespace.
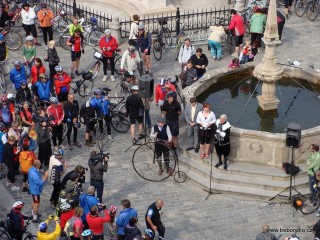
{"x":50,"y":236}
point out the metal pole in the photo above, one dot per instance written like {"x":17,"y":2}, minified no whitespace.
{"x":74,"y":8}
{"x":178,"y":21}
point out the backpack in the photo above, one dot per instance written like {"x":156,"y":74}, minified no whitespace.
{"x":9,"y":223}
{"x":69,"y":228}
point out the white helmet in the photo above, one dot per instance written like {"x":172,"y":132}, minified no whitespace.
{"x":18,"y":204}
{"x":29,"y":38}
{"x":135,"y":88}
{"x":107,"y":31}
{"x":10,"y":96}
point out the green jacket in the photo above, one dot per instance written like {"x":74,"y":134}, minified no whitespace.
{"x":257,"y":22}
{"x":313,"y":162}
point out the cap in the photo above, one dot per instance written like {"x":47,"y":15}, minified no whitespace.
{"x":161,"y":120}
{"x":74,"y":176}
{"x":53,"y":100}
{"x":97,"y":91}
{"x":128,"y":74}
{"x":112,"y":209}
{"x":59,"y":152}
{"x":141,"y":26}
{"x":135,"y":88}
{"x":17,"y":63}
{"x":163,"y":81}
{"x":107,"y":31}
{"x":29,"y":38}
{"x":42,"y":226}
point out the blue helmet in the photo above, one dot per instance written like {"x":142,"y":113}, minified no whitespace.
{"x":58,"y":68}
{"x":97,"y":91}
{"x":93,"y":20}
{"x":1,"y":37}
{"x":53,"y":100}
{"x":86,"y":233}
{"x":42,"y":226}
{"x":59,"y":152}
{"x":149,"y":233}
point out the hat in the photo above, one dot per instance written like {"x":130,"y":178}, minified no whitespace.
{"x":161,"y":120}
{"x":74,"y":176}
{"x":128,"y":74}
{"x":42,"y":75}
{"x":135,"y":88}
{"x":42,"y":226}
{"x":163,"y":81}
{"x":107,"y":31}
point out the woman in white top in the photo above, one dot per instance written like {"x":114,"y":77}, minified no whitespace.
{"x":134,"y":28}
{"x":28,"y":15}
{"x":206,"y":119}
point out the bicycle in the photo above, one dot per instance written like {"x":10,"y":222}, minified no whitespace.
{"x":144,"y":162}
{"x":313,"y":9}
{"x":61,"y":19}
{"x":3,"y":83}
{"x":12,"y":38}
{"x":247,"y":13}
{"x":300,"y":7}
{"x":99,"y":56}
{"x":230,"y":41}
{"x":84,"y":85}
{"x":163,"y":38}
{"x":122,"y":89}
{"x":4,"y":233}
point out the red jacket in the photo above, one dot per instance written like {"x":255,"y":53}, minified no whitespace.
{"x":96,"y":223}
{"x":65,"y":217}
{"x":112,"y":44}
{"x":62,"y":82}
{"x":237,"y":25}
{"x":35,"y":72}
{"x":57,"y":113}
{"x":160,"y":93}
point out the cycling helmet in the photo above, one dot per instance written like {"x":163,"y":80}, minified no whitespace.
{"x":112,"y":209}
{"x":17,"y":63}
{"x":4,"y":98}
{"x":97,"y":91}
{"x":23,"y":83}
{"x":65,"y":206}
{"x":149,"y":233}
{"x":107,"y":31}
{"x":42,"y":226}
{"x":141,"y":26}
{"x":163,"y":81}
{"x":128,"y":74}
{"x":93,"y":20}
{"x":59,"y":152}
{"x":18,"y":205}
{"x":43,"y":5}
{"x":86,"y":233}
{"x":1,"y":37}
{"x":132,"y":48}
{"x":29,"y":38}
{"x":58,"y":68}
{"x":53,"y":100}
{"x":42,"y":75}
{"x":10,"y":96}
{"x":135,"y":88}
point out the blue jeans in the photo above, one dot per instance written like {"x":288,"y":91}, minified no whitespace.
{"x":215,"y":48}
{"x":147,"y":117}
{"x":311,"y":189}
{"x":98,"y":185}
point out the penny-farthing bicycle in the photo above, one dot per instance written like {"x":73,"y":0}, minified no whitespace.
{"x":156,"y":161}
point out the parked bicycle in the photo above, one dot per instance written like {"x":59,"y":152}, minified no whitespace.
{"x":12,"y":38}
{"x":180,"y":39}
{"x":96,"y":66}
{"x":122,"y":89}
{"x":4,"y":233}
{"x":163,"y":38}
{"x":313,"y":8}
{"x":3,"y":83}
{"x":61,"y":20}
{"x":84,"y":85}
{"x":300,"y":7}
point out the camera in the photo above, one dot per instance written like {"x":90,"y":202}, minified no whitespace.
{"x":101,"y":207}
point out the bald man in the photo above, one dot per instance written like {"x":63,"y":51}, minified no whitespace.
{"x":153,"y":218}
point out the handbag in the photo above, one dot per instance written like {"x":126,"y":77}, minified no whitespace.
{"x":290,"y":168}
{"x":182,"y":76}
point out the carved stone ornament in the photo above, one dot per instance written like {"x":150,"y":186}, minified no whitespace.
{"x":256,"y":148}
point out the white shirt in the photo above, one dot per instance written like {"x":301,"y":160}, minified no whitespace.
{"x":185,"y":53}
{"x":129,"y":63}
{"x":134,"y":30}
{"x":206,"y":122}
{"x":28,"y":17}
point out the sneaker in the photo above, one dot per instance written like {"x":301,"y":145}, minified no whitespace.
{"x":110,"y":138}
{"x":62,"y":147}
{"x":196,"y":150}
{"x":134,"y":141}
{"x":72,"y":75}
{"x":218,"y":165}
{"x":113,"y":78}
{"x":70,"y":147}
{"x":77,"y":72}
{"x":104,"y":79}
{"x":56,"y":148}
{"x":89,"y":144}
{"x":24,"y":189}
{"x":46,"y":48}
{"x":8,"y":184}
{"x":76,"y":144}
{"x":38,"y":44}
{"x":39,"y":215}
{"x":15,"y":188}
{"x":225,"y":166}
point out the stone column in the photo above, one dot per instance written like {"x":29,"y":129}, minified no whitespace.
{"x":239,"y":6}
{"x":114,"y":26}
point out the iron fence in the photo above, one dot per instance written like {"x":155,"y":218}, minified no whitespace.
{"x":72,"y":8}
{"x":193,"y":20}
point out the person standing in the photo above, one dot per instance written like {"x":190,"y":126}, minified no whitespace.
{"x":313,"y":165}
{"x":41,"y":89}
{"x":6,"y":15}
{"x":185,"y":53}
{"x":190,"y":73}
{"x":55,"y":111}
{"x":108,"y":45}
{"x":29,"y":52}
{"x":98,"y":165}
{"x":53,"y":61}
{"x":160,"y":91}
{"x":217,"y":34}
{"x":9,"y":155}
{"x":130,"y":60}
{"x":71,"y":114}
{"x":257,"y":23}
{"x":87,"y":113}
{"x":237,"y":26}
{"x":124,"y":216}
{"x":200,"y":62}
{"x":36,"y":183}
{"x":190,"y":114}
{"x":16,"y":229}
{"x":171,"y":110}
{"x":206,"y":120}
{"x":45,"y":17}
{"x":28,"y":16}
{"x":26,"y":159}
{"x":222,"y":140}
{"x":135,"y":108}
{"x":17,"y":74}
{"x":144,"y":44}
{"x":61,"y":82}
{"x":96,"y":222}
{"x":75,"y":41}
{"x":36,"y":70}
{"x":134,"y":29}
{"x":87,"y":201}
{"x":153,"y":218}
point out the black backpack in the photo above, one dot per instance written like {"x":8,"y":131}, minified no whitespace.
{"x":10,"y":223}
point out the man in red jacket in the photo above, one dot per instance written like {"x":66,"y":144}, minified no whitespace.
{"x":161,"y":91}
{"x":61,"y":82}
{"x":108,"y":46}
{"x":237,"y":26}
{"x":55,"y":110}
{"x":96,"y":222}
{"x":76,"y":43}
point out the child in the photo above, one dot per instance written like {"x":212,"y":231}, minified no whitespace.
{"x":112,"y":226}
{"x":26,"y":159}
{"x":234,"y":63}
{"x":29,"y":51}
{"x":246,"y":51}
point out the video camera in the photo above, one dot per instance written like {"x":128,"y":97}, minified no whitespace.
{"x":99,"y":157}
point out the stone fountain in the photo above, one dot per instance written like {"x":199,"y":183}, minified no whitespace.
{"x":268,"y":71}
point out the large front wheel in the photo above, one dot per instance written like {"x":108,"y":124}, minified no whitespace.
{"x":157,"y":50}
{"x":13,"y":40}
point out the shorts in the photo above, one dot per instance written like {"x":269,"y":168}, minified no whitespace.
{"x":30,"y":29}
{"x":75,"y":55}
{"x":287,"y":3}
{"x":90,"y":126}
{"x":139,"y":119}
{"x":25,"y":177}
{"x":238,"y":40}
{"x":148,"y":53}
{"x":174,"y":128}
{"x":36,"y":198}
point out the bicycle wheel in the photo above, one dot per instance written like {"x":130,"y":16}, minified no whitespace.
{"x":63,"y":41}
{"x":18,"y":22}
{"x":94,"y":37}
{"x":4,"y":235}
{"x":3,"y":83}
{"x":117,"y":65}
{"x":64,"y":133}
{"x":300,"y":7}
{"x":86,"y":88}
{"x":95,"y":69}
{"x":312,"y":10}
{"x":180,"y":176}
{"x":157,"y":50}
{"x":122,"y":108}
{"x":167,"y":36}
{"x":30,"y":237}
{"x":120,"y":122}
{"x":147,"y":165}
{"x":121,"y":90}
{"x":309,"y":207}
{"x":13,"y":40}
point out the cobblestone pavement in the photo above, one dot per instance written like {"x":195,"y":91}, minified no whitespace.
{"x":187,"y":215}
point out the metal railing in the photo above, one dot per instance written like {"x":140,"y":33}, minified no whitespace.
{"x":193,"y":20}
{"x":72,"y":8}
